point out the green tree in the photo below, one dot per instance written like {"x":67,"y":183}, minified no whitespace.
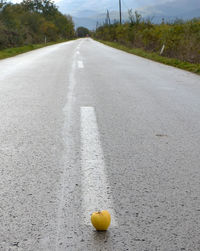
{"x":30,"y":21}
{"x":82,"y":32}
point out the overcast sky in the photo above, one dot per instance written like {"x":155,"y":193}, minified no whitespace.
{"x":86,"y":8}
{"x":76,"y":6}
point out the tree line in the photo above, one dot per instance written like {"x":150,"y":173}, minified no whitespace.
{"x":31,"y":22}
{"x":180,"y":39}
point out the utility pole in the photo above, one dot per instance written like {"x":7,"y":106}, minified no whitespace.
{"x":120,"y":12}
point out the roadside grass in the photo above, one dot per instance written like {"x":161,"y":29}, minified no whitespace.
{"x":10,"y":52}
{"x":195,"y":68}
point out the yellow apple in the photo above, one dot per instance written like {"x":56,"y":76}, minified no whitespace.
{"x":101,"y":220}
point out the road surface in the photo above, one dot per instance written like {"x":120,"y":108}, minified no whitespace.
{"x":86,"y":127}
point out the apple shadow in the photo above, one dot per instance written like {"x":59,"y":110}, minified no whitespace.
{"x":101,"y":236}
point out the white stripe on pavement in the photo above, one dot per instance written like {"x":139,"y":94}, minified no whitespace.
{"x":80,"y":64}
{"x":95,"y":187}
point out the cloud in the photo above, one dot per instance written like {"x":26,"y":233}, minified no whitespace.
{"x":77,"y":7}
{"x":88,"y":8}
{"x":19,"y":1}
{"x":73,"y":7}
{"x":174,"y":7}
{"x":167,"y":9}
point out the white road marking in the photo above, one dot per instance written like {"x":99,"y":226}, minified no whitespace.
{"x":95,"y":188}
{"x":78,"y":53}
{"x":80,"y":64}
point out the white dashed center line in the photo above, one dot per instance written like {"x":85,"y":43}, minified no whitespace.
{"x":80,"y":64}
{"x":95,"y":187}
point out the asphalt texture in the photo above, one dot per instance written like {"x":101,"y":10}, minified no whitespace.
{"x":148,"y":118}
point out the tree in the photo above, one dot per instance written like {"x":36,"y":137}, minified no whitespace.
{"x":134,"y":18}
{"x":30,"y":21}
{"x":107,"y":21}
{"x":46,"y":7}
{"x":82,"y":32}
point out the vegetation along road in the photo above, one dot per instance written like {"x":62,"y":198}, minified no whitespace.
{"x":86,"y":127}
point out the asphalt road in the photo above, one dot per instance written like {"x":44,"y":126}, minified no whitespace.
{"x":86,"y":127}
